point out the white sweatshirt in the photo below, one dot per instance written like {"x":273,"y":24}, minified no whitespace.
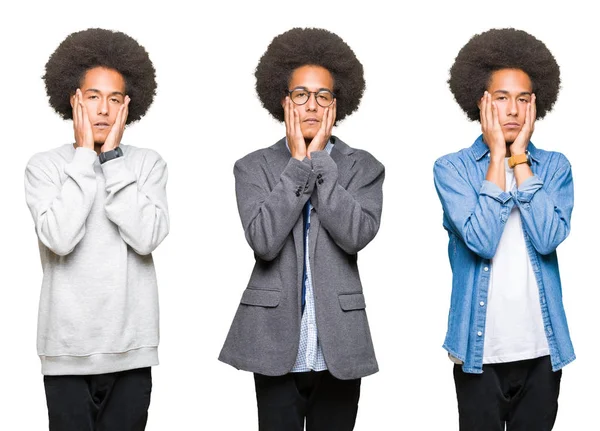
{"x":97,"y":225}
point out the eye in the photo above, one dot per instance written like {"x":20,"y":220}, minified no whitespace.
{"x":115,"y":100}
{"x":523,"y":100}
{"x":92,"y":96}
{"x":324,"y":95}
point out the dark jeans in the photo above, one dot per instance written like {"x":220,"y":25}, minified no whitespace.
{"x":522,"y":394}
{"x":102,"y":402}
{"x":327,"y":403}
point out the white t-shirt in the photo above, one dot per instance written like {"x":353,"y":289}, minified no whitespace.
{"x":514,"y":328}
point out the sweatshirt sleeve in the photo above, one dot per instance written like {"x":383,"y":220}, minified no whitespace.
{"x":137,"y":201}
{"x":60,"y":202}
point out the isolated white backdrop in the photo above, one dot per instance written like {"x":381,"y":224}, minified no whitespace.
{"x":206,"y":115}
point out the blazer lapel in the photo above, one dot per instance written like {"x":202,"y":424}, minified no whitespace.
{"x":277,"y":159}
{"x":341,"y":155}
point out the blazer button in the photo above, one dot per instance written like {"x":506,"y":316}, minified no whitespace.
{"x":297,"y":193}
{"x":319,"y":176}
{"x":320,"y":181}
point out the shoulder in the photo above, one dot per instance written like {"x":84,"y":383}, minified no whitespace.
{"x":143,"y":155}
{"x":262,"y":155}
{"x":552,"y":159}
{"x":362,"y":157}
{"x":58,"y":155}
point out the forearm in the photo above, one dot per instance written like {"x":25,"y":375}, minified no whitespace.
{"x":350,"y":215}
{"x":476,"y":216}
{"x":138,"y":206}
{"x":496,"y":172}
{"x":268,"y":216}
{"x":546,"y":214}
{"x":60,"y":206}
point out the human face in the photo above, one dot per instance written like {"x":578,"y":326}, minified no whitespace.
{"x":313,"y":78}
{"x":511,"y":92}
{"x":103,"y":92}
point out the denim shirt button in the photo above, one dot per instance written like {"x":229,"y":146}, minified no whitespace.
{"x":479,"y":333}
{"x":486,"y":269}
{"x":482,"y":303}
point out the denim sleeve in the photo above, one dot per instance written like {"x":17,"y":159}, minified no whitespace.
{"x":546,"y":208}
{"x":476,"y":216}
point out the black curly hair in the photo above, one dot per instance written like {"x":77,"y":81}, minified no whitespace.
{"x":309,"y":46}
{"x":96,"y":47}
{"x":505,"y":48}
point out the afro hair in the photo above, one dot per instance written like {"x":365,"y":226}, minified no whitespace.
{"x":96,"y":47}
{"x":497,"y":49}
{"x":309,"y":46}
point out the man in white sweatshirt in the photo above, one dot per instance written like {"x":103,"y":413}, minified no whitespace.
{"x":99,"y":209}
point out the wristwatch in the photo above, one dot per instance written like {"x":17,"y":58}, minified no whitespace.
{"x":109,"y":155}
{"x":518,"y":159}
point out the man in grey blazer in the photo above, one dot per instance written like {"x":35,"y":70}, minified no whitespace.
{"x":308,"y":204}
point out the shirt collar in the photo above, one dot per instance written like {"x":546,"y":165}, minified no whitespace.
{"x":480,"y":149}
{"x":328,"y":146}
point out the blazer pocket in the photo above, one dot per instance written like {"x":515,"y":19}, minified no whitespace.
{"x":352,"y":301}
{"x":261,"y":297}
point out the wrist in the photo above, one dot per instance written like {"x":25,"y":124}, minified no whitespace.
{"x":114,"y":153}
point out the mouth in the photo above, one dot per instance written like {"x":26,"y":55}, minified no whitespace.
{"x":311,"y":121}
{"x":512,"y":125}
{"x":101,"y":125}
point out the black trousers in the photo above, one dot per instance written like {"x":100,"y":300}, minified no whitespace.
{"x":327,"y":403}
{"x":522,"y":395}
{"x":102,"y":402}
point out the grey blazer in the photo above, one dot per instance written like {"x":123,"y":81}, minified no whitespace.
{"x":345,"y":189}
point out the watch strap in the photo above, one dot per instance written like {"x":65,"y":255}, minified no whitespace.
{"x":518,"y":159}
{"x":110,"y":155}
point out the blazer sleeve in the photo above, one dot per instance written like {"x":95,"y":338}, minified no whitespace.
{"x":350,"y":215}
{"x":268,"y":215}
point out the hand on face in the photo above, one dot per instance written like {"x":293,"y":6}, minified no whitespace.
{"x":490,"y":126}
{"x":116,"y":131}
{"x":293,"y":131}
{"x":82,"y":128}
{"x":519,"y":146}
{"x":322,"y":137}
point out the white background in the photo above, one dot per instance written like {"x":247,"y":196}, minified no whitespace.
{"x":206,"y":115}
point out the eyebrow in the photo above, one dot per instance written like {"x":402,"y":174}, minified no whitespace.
{"x":304,"y":88}
{"x":522,"y":93}
{"x":93,"y":90}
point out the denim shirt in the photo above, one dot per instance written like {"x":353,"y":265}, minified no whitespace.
{"x":475,"y":212}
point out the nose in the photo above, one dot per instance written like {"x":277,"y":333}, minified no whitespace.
{"x":512,"y":107}
{"x":103,"y":107}
{"x":311,"y":104}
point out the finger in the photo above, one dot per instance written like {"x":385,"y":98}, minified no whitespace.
{"x":297,"y":128}
{"x":125,"y":112}
{"x":483,"y":111}
{"x":533,"y":110}
{"x":286,"y":117}
{"x":331,"y":117}
{"x":495,"y":120}
{"x":324,"y":122}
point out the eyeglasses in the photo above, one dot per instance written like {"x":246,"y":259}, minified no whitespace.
{"x":301,"y":95}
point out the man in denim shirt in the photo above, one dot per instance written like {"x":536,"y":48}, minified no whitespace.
{"x":507,"y":206}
